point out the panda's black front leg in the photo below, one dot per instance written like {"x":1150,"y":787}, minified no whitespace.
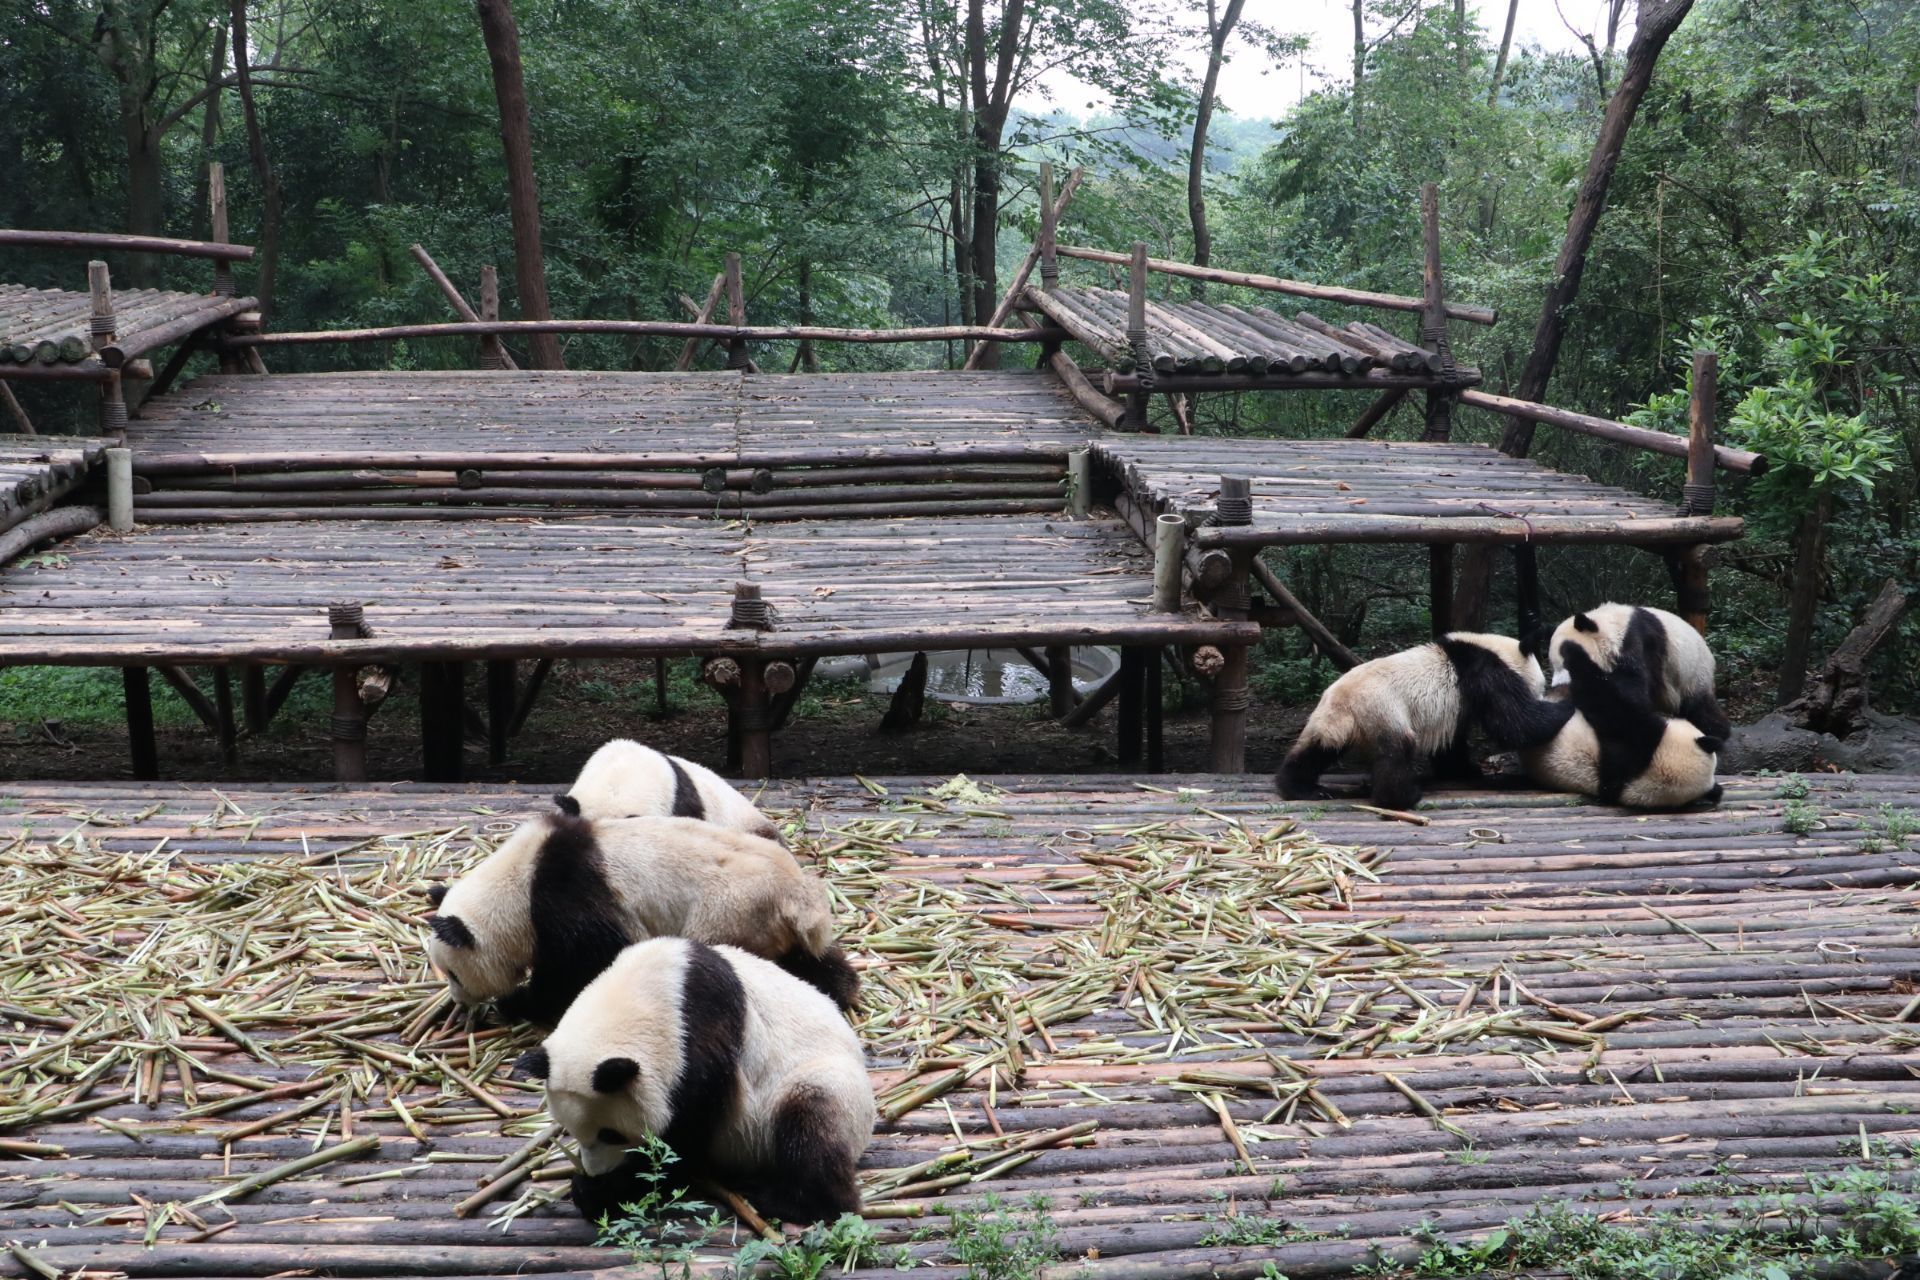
{"x":1396,"y":774}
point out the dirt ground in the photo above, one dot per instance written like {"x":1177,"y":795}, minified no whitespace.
{"x":833,"y":731}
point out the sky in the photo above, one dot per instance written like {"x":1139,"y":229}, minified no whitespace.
{"x":1252,"y":86}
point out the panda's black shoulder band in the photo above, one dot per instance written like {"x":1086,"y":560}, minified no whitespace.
{"x":567,"y":805}
{"x":533,"y":1063}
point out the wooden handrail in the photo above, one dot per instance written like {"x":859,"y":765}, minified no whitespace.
{"x":656,"y":328}
{"x":1739,"y":460}
{"x":25,"y":239}
{"x":1275,"y":284}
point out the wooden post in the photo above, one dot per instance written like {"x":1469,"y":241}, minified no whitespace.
{"x":140,"y":744}
{"x":1049,"y":231}
{"x":1233,"y":600}
{"x":1688,"y":568}
{"x":1060,"y":692}
{"x":1526,"y":591}
{"x":1136,"y":419}
{"x":1079,"y":483}
{"x":493,"y":353}
{"x":16,"y":411}
{"x":443,"y":720}
{"x":253,"y":698}
{"x":500,"y":695}
{"x":120,"y":490}
{"x":1433,"y":316}
{"x":753,"y":711}
{"x":1169,"y":558}
{"x":348,"y":727}
{"x":1156,"y":713}
{"x":217,"y":222}
{"x":736,"y":313}
{"x":1697,"y":497}
{"x":224,"y":729}
{"x":1440,"y":586}
{"x":1133,"y":687}
{"x":1376,"y":413}
{"x":102,"y":324}
{"x":909,"y":699}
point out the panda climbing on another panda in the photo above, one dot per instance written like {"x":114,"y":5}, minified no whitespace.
{"x":1666,"y":661}
{"x":625,"y":779}
{"x":550,"y":908}
{"x":1411,"y":708}
{"x":750,"y":1076}
{"x":1617,"y":746}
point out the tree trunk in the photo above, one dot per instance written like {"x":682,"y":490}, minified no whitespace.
{"x":1460,"y":35}
{"x":267,"y":253}
{"x":1359,"y":57}
{"x":1218,"y":30}
{"x":1506,"y":47}
{"x":990,"y":103}
{"x":523,"y":195}
{"x":209,"y":132}
{"x":1803,"y":596}
{"x":1658,"y":21}
{"x":805,"y":357}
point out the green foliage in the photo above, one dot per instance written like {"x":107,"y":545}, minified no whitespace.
{"x":1800,"y":818}
{"x":1793,"y":787}
{"x":843,"y":1245}
{"x":665,"y":1228}
{"x":996,"y":1242}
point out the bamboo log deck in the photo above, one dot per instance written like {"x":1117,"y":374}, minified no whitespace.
{"x":45,"y":332}
{"x":1256,"y":345}
{"x":1190,"y":1016}
{"x":37,"y":470}
{"x":724,"y":443}
{"x":505,"y":587}
{"x":1310,"y":491}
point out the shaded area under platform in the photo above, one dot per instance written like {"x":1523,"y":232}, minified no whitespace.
{"x":215,"y":593}
{"x":1637,"y":1014}
{"x":1347,"y":491}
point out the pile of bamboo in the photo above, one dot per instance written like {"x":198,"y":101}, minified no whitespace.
{"x":1194,"y":337}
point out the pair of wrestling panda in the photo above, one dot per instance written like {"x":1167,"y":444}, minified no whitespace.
{"x":687,"y":967}
{"x":1632,"y":718}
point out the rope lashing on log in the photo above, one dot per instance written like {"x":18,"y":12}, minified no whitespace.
{"x":1235,"y":504}
{"x":750,"y":611}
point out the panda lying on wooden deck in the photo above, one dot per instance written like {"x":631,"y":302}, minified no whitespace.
{"x":1610,"y":733}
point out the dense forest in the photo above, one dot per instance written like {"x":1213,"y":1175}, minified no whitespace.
{"x":874,"y":163}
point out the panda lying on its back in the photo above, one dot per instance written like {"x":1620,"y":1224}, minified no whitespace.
{"x":1666,"y":660}
{"x":624,"y":779}
{"x":749,"y":1075}
{"x":558,"y":900}
{"x":1618,"y":748}
{"x":1411,"y":707}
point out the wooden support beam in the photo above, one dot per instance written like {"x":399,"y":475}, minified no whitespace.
{"x":1687,"y":566}
{"x":280,"y":691}
{"x":1526,"y":591}
{"x":1155,"y":698}
{"x":1061,"y":695}
{"x":217,"y":249}
{"x":1697,"y":496}
{"x":501,"y":687}
{"x":144,"y":752}
{"x":492,"y":354}
{"x":1440,"y":586}
{"x":705,"y":314}
{"x":1109,"y":411}
{"x":529,"y":694}
{"x":1376,"y":413}
{"x":1091,"y":705}
{"x":1019,"y":284}
{"x":1737,"y":460}
{"x":1136,"y":419}
{"x":217,"y":222}
{"x":442,"y":720}
{"x":1049,"y":260}
{"x":753,"y":714}
{"x":253,"y":698}
{"x":16,"y":411}
{"x":225,"y":730}
{"x":189,"y":692}
{"x":1323,"y":639}
{"x":348,"y":726}
{"x":732,"y":334}
{"x":1228,"y":745}
{"x":736,"y":312}
{"x":784,"y":703}
{"x":1134,"y":661}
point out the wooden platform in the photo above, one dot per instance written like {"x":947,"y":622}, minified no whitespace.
{"x":1260,"y":345}
{"x":44,"y":332}
{"x":1312,"y":491}
{"x":36,"y":470}
{"x":501,"y":588}
{"x":1624,"y":1015}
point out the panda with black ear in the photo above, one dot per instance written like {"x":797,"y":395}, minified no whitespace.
{"x":1620,"y":749}
{"x":625,"y":779}
{"x":1417,"y":706}
{"x":750,"y":1076}
{"x":1666,"y":659}
{"x":550,"y":908}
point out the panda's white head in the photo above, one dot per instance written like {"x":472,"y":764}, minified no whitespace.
{"x":482,"y":925}
{"x":1598,"y":632}
{"x":611,"y":1064}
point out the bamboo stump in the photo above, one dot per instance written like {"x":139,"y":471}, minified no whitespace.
{"x":141,"y":747}
{"x":501,"y":688}
{"x":348,"y":727}
{"x":442,"y":719}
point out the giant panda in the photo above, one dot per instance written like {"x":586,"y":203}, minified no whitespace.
{"x":749,"y":1075}
{"x":1618,"y":748}
{"x":563,"y":894}
{"x":1417,"y":706}
{"x":1670,"y":659}
{"x":625,"y":779}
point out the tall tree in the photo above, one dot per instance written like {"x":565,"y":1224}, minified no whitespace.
{"x":992,"y":97}
{"x":1506,"y":47}
{"x":502,"y":35}
{"x":268,"y":256}
{"x":1219,"y":28}
{"x":1658,"y":20}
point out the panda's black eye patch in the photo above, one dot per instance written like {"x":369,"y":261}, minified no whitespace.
{"x":611,"y":1138}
